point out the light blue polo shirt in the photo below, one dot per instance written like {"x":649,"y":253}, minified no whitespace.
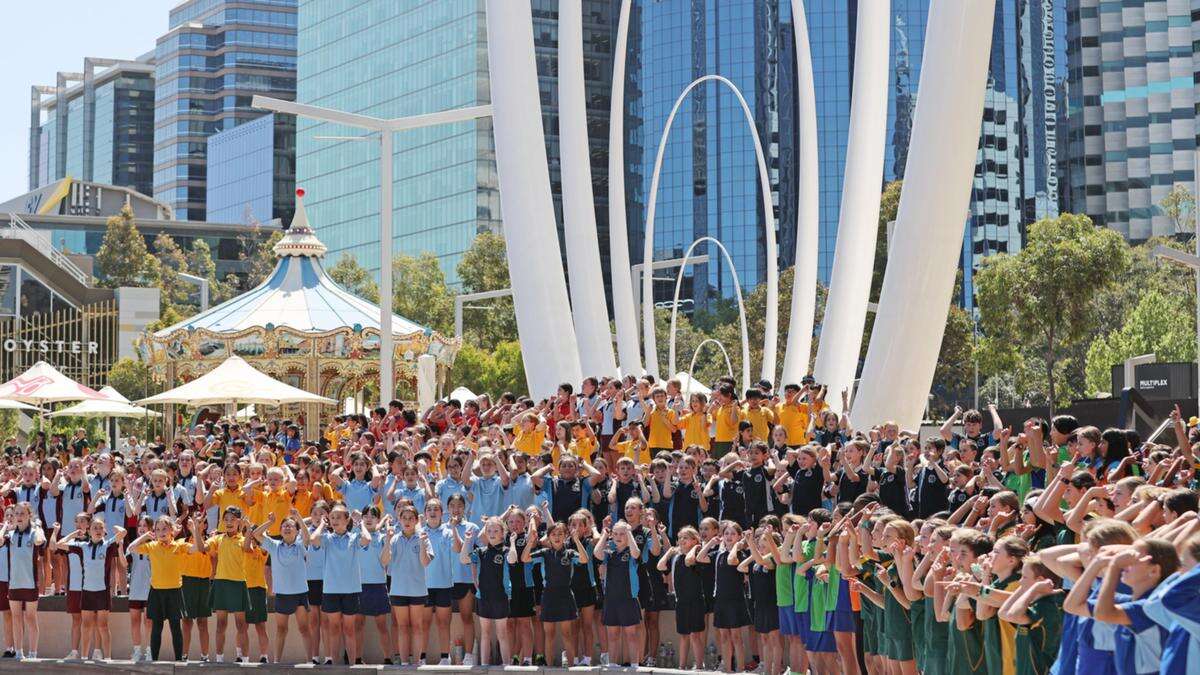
{"x":370,"y":569}
{"x":405,"y":568}
{"x":439,"y":573}
{"x":488,"y":498}
{"x":314,"y":566}
{"x":358,"y":493}
{"x":93,"y":563}
{"x":464,"y":574}
{"x":447,"y":487}
{"x":341,"y":573}
{"x":289,"y":568}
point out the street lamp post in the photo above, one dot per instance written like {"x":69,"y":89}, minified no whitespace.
{"x":384,"y":128}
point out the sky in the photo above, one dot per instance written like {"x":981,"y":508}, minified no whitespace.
{"x":43,"y":37}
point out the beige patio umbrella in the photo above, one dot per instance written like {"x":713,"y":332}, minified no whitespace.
{"x":235,"y":381}
{"x":43,"y":384}
{"x":114,"y":405}
{"x":17,"y":405}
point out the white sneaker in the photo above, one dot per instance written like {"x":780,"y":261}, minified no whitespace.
{"x":444,"y":662}
{"x":219,"y":658}
{"x":73,"y":656}
{"x":585,"y":661}
{"x":469,"y":660}
{"x":137,"y":654}
{"x":97,"y":655}
{"x":604,"y":658}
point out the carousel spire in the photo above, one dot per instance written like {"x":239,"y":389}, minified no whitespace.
{"x":299,"y":240}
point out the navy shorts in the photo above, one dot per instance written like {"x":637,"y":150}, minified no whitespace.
{"x":373,"y":601}
{"x":408,"y":600}
{"x":315,"y":586}
{"x":690,"y":617}
{"x":439,"y":597}
{"x":492,"y":607}
{"x":339,"y":603}
{"x":462,"y":590}
{"x":789,"y":622}
{"x":842,"y":621}
{"x":286,"y":603}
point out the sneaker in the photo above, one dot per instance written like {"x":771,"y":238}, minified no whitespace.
{"x":241,"y":659}
{"x":444,"y":662}
{"x":264,"y":659}
{"x":585,"y":661}
{"x":329,"y":660}
{"x":316,"y":661}
{"x":219,"y":658}
{"x":358,"y":661}
{"x":469,"y":660}
{"x":97,"y":655}
{"x":73,"y":656}
{"x":649,"y":662}
{"x":10,"y":654}
{"x":204,"y":658}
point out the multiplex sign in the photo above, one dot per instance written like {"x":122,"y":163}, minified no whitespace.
{"x":50,"y":346}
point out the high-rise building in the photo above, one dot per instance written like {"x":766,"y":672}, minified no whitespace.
{"x":388,"y":59}
{"x":709,"y":183}
{"x":1132,"y":98}
{"x":97,"y":124}
{"x":252,"y":171}
{"x":215,"y":56}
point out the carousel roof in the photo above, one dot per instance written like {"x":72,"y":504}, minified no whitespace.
{"x":298,"y":294}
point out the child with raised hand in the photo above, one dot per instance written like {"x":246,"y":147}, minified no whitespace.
{"x":730,"y":615}
{"x":255,"y":561}
{"x":490,"y":560}
{"x":406,"y":554}
{"x":138,"y":568}
{"x":486,"y":491}
{"x":229,"y":591}
{"x":464,"y":574}
{"x":521,"y":604}
{"x":74,"y":586}
{"x":617,"y":549}
{"x":164,"y":602}
{"x":785,"y":597}
{"x":5,"y":610}
{"x":439,"y":576}
{"x":760,"y":566}
{"x":288,"y":574}
{"x":26,"y":543}
{"x":679,"y":562}
{"x":314,"y":574}
{"x":1035,"y":608}
{"x":197,"y":587}
{"x":558,"y":561}
{"x":373,"y":600}
{"x":363,"y":487}
{"x":583,"y":587}
{"x":97,"y":555}
{"x":342,"y":537}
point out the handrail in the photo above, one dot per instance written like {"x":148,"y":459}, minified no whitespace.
{"x":19,"y":229}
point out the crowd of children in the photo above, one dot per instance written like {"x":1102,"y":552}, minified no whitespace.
{"x":559,"y":532}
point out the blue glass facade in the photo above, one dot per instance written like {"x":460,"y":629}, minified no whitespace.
{"x":250,"y":172}
{"x":215,"y":57}
{"x":387,"y":60}
{"x":709,"y":182}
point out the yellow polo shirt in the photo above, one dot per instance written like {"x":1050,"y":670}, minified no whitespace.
{"x":278,"y":502}
{"x":639,"y":456}
{"x":256,"y":564}
{"x":231,"y":559}
{"x":795,"y":418}
{"x":726,"y":429}
{"x":529,"y":442}
{"x":695,"y":429}
{"x":762,"y":418}
{"x":166,"y":563}
{"x":660,"y":424}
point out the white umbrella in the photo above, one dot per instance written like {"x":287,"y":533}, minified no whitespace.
{"x":104,"y":409}
{"x":17,"y":405}
{"x":235,"y":381}
{"x":43,"y":384}
{"x":112,"y":394}
{"x":462,"y":395}
{"x":689,"y":385}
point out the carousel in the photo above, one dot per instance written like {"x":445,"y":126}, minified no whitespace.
{"x":301,"y":328}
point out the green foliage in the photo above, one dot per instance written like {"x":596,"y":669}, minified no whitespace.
{"x":174,"y":291}
{"x":1180,"y":207}
{"x":123,"y":259}
{"x":8,"y":424}
{"x":1039,"y":301}
{"x":420,"y":292}
{"x":492,"y":372}
{"x":134,"y":380}
{"x":889,"y":206}
{"x":355,"y":278}
{"x":1159,"y":325}
{"x":484,"y":267}
{"x":258,"y":253}
{"x":169,"y":317}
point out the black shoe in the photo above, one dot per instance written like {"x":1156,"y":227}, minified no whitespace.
{"x":358,"y":661}
{"x":387,"y":661}
{"x":539,"y":660}
{"x":10,"y":654}
{"x":263,"y":659}
{"x":328,"y":661}
{"x":345,"y":658}
{"x":316,"y":660}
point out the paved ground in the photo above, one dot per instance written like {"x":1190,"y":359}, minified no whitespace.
{"x":61,"y":667}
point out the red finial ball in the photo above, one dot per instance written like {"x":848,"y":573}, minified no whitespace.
{"x":299,"y":192}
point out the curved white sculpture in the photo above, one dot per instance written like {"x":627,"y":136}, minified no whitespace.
{"x":696,"y":353}
{"x":850,"y":282}
{"x":770,"y":329}
{"x":737,"y":288}
{"x":920,"y":273}
{"x":624,"y":315}
{"x":539,"y":291}
{"x":804,"y":284}
{"x":579,"y":211}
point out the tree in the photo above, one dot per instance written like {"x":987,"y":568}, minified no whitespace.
{"x":258,"y":254}
{"x":200,"y":262}
{"x":484,"y":267}
{"x":355,"y":278}
{"x":133,"y":379}
{"x":123,"y":259}
{"x":1041,"y":297}
{"x":1159,"y":325}
{"x":171,"y":261}
{"x":1180,"y":207}
{"x":420,"y":292}
{"x":169,"y":317}
{"x":490,"y":371}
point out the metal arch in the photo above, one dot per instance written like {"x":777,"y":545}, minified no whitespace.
{"x":737,"y":287}
{"x":771,"y":329}
{"x":692,"y":366}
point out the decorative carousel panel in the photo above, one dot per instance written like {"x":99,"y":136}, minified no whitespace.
{"x":334,"y":346}
{"x":250,"y":346}
{"x":290,"y":343}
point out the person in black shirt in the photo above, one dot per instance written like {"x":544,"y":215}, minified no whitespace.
{"x":558,"y":611}
{"x":568,"y":491}
{"x":931,"y":480}
{"x":726,"y":485}
{"x":760,"y":501}
{"x":618,"y":551}
{"x":807,"y":475}
{"x":684,"y":499}
{"x":680,"y":562}
{"x":708,"y":472}
{"x":490,"y":559}
{"x":80,"y":444}
{"x":851,"y":477}
{"x":893,"y":489}
{"x":964,"y":487}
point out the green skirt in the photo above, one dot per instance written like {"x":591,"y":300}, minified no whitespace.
{"x":229,"y":596}
{"x":196,"y":593}
{"x":257,"y":612}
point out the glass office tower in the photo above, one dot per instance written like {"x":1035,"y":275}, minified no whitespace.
{"x":252,"y":173}
{"x":215,"y":57}
{"x":108,"y":136}
{"x":1132,"y":98}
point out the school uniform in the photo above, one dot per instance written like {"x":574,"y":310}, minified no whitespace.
{"x":341,"y":580}
{"x":464,"y":574}
{"x":74,"y":582}
{"x":565,"y":497}
{"x":289,"y":572}
{"x":196,"y":569}
{"x":157,"y":504}
{"x":416,"y":494}
{"x":683,"y":508}
{"x":789,"y":624}
{"x":492,"y":573}
{"x":1137,"y":647}
{"x":558,"y":600}
{"x":621,"y":587}
{"x":522,"y":600}
{"x":1037,"y":641}
{"x":487,"y":498}
{"x":762,"y":592}
{"x":447,"y":488}
{"x":4,"y":607}
{"x":112,"y":510}
{"x":439,"y":573}
{"x":72,"y":500}
{"x":164,"y":599}
{"x":689,"y":596}
{"x":255,"y":561}
{"x":139,"y":579}
{"x":652,"y":587}
{"x":358,"y":494}
{"x":96,"y":560}
{"x":229,"y":590}
{"x":520,"y":492}
{"x":314,"y":574}
{"x":23,"y":567}
{"x":583,"y":580}
{"x":408,"y":586}
{"x":1097,"y":640}
{"x":760,"y":496}
{"x":1175,"y":604}
{"x":34,"y":494}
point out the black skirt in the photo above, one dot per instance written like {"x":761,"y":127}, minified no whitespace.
{"x":558,"y":605}
{"x":689,"y":617}
{"x":731,"y":613}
